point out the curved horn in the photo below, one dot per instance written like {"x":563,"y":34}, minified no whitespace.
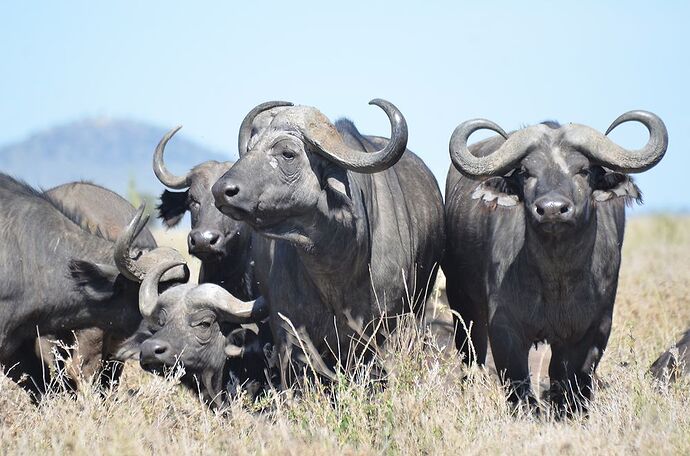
{"x":123,"y":260}
{"x":498,"y":162}
{"x":166,"y":177}
{"x":331,"y":144}
{"x":611,"y":155}
{"x":228,"y":307}
{"x":246,"y":126}
{"x":148,"y":292}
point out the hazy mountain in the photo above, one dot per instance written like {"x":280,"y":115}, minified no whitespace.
{"x":105,"y":151}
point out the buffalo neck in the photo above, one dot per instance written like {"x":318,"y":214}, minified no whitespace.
{"x":557,"y":259}
{"x":337,"y":240}
{"x":233,"y":270}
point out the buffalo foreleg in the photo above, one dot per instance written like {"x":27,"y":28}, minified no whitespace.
{"x":572,"y":367}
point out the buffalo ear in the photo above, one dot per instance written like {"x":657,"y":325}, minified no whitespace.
{"x":96,"y":281}
{"x":172,"y":207}
{"x":242,"y":342}
{"x":609,"y":185}
{"x":337,"y":185}
{"x":497,"y":191}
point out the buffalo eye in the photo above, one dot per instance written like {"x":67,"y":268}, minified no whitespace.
{"x":204,"y":324}
{"x":160,"y":321}
{"x":584,"y":172}
{"x":288,"y":154}
{"x":194,"y":205}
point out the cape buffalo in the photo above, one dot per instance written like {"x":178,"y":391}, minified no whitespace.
{"x":58,"y":276}
{"x":352,"y":225}
{"x":198,"y":327}
{"x":674,"y":362}
{"x":98,"y":210}
{"x":535,"y":224}
{"x":223,"y":245}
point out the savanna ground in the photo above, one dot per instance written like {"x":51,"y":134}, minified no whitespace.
{"x":426,"y":407}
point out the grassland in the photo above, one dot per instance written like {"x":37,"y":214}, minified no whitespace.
{"x":426,"y":407}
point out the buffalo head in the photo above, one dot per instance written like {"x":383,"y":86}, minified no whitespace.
{"x":211,"y":232}
{"x":558,"y":173}
{"x":295,"y":165}
{"x":197,"y":326}
{"x":116,"y":287}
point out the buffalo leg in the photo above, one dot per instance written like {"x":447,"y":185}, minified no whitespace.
{"x":28,"y":370}
{"x":473,"y":318}
{"x":572,"y":367}
{"x":511,"y":356}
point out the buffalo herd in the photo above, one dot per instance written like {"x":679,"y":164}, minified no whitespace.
{"x":313,"y":244}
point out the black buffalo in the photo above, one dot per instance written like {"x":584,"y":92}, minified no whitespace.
{"x":98,"y":210}
{"x":352,"y":226}
{"x":535,"y":225}
{"x":198,"y":327}
{"x":223,"y":245}
{"x":58,"y":276}
{"x":675,"y":362}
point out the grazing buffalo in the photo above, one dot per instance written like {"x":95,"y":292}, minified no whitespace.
{"x":675,"y":362}
{"x":352,"y":227}
{"x":58,"y":276}
{"x":535,"y":224}
{"x":198,"y":327}
{"x":98,"y":210}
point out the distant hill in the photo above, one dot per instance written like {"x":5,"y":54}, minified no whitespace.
{"x":108,"y":152}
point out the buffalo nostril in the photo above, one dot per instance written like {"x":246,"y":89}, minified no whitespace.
{"x":565,"y":209}
{"x":540,"y":210}
{"x":160,"y":349}
{"x":213,"y":240}
{"x":231,"y":190}
{"x":191,"y":240}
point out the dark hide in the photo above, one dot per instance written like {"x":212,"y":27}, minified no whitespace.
{"x":105,"y":213}
{"x":674,"y":362}
{"x":227,"y":259}
{"x":220,"y":359}
{"x":341,"y":249}
{"x":517,"y":279}
{"x":57,"y":276}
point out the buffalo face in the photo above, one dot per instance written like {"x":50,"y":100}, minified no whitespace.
{"x":559,"y":187}
{"x":297,"y":164}
{"x":558,"y":174}
{"x":196,"y":327}
{"x":212,"y":235}
{"x":190,"y":337}
{"x":278,"y":179}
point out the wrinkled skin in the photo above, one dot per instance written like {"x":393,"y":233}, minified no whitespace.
{"x":534,"y":256}
{"x":674,"y":362}
{"x":98,"y":210}
{"x":330,"y":234}
{"x":194,"y":336}
{"x":56,"y":277}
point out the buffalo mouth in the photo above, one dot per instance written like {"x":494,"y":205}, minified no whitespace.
{"x":209,"y":253}
{"x":235,"y":212}
{"x":555,"y":228}
{"x":253,"y":218}
{"x":158,"y":366}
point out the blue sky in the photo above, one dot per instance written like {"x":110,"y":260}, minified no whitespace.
{"x":205,"y":64}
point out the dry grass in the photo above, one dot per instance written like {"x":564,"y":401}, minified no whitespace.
{"x":426,"y":407}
